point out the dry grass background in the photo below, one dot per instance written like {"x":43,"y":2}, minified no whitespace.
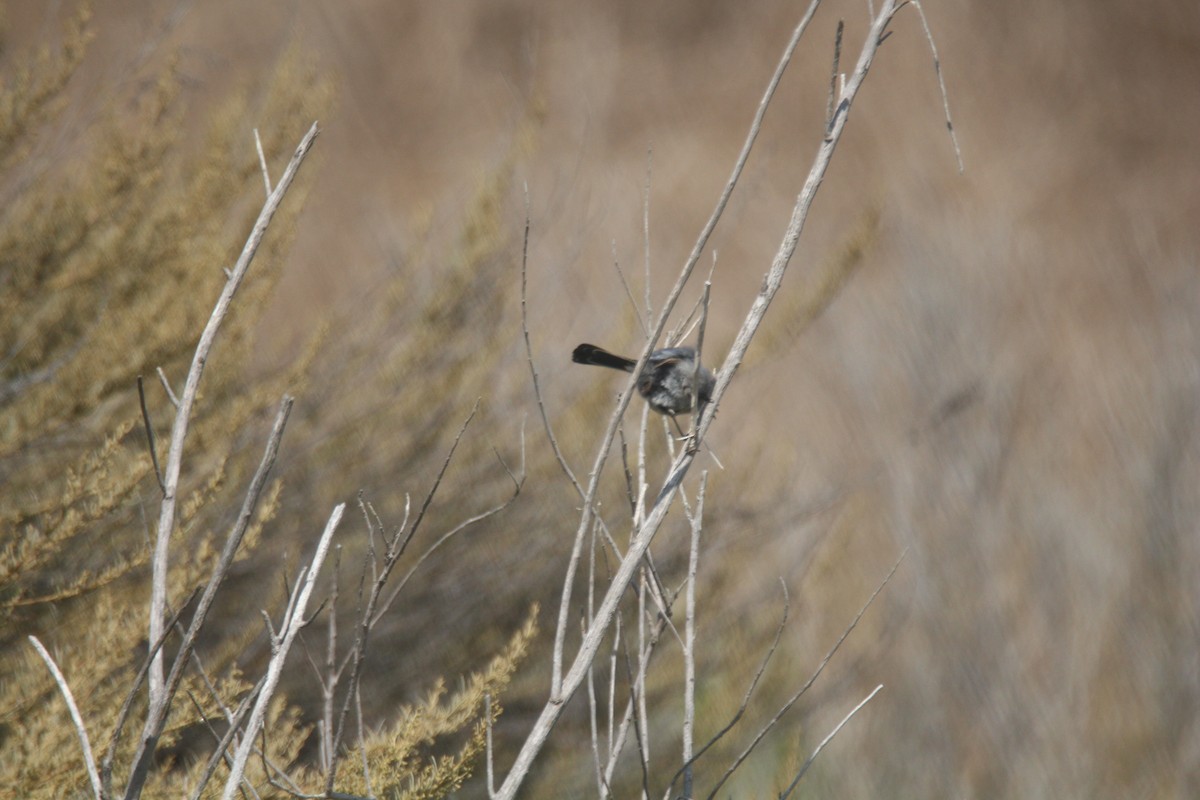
{"x":1009,"y":384}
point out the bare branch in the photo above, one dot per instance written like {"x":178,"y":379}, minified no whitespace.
{"x":110,"y":753}
{"x":646,"y":235}
{"x":673,"y":296}
{"x":637,"y":310}
{"x":362,"y":741}
{"x":648,"y":518}
{"x":396,"y":547}
{"x":80,"y":729}
{"x":234,"y":721}
{"x":157,"y":715}
{"x":562,"y":688}
{"x":745,"y":704}
{"x":689,"y":648}
{"x":593,"y":722}
{"x":537,"y":389}
{"x":616,"y":742}
{"x":221,"y":750}
{"x":262,"y":162}
{"x":692,"y":443}
{"x":292,"y":623}
{"x":150,"y":435}
{"x":487,"y":716}
{"x":645,"y":645}
{"x":638,"y":705}
{"x":518,"y":480}
{"x":833,"y":75}
{"x":166,"y":384}
{"x":774,"y":277}
{"x":166,"y":520}
{"x":827,"y":740}
{"x":328,"y":678}
{"x":937,"y":67}
{"x":820,"y":668}
{"x":613,"y":747}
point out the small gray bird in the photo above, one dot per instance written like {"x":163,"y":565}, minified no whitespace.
{"x":666,"y":381}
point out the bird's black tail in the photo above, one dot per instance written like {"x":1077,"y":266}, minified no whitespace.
{"x":598,"y":356}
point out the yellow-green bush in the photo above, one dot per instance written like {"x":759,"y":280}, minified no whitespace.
{"x":110,"y":261}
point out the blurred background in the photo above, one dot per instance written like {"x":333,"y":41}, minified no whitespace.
{"x":998,"y":370}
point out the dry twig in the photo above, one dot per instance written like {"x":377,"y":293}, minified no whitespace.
{"x":159,"y":707}
{"x":689,"y":648}
{"x":803,"y":689}
{"x":292,"y":621}
{"x":166,"y":519}
{"x":64,"y":688}
{"x":150,"y":434}
{"x":562,"y":686}
{"x":937,"y":68}
{"x":825,"y":741}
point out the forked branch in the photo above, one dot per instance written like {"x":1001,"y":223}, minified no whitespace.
{"x":280,"y":647}
{"x":564,"y":686}
{"x":183,"y":414}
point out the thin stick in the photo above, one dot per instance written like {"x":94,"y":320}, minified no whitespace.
{"x":577,"y":546}
{"x":685,"y":330}
{"x":166,"y":384}
{"x":689,"y":648}
{"x":85,"y":744}
{"x":644,"y":647}
{"x":787,"y":247}
{"x":820,"y":668}
{"x":615,"y":742}
{"x":637,"y":311}
{"x":110,"y":753}
{"x":833,"y":75}
{"x":233,"y":723}
{"x":681,"y":331}
{"x":487,"y":716}
{"x":290,"y":626}
{"x":221,"y":751}
{"x":937,"y":67}
{"x":537,"y":390}
{"x":262,"y":162}
{"x":157,"y":716}
{"x":593,"y":547}
{"x":630,"y":491}
{"x":696,"y":366}
{"x":519,"y":480}
{"x":639,"y":516}
{"x":166,"y":519}
{"x":442,"y":540}
{"x":330,"y":678}
{"x":150,"y":434}
{"x":594,"y":725}
{"x":560,"y":630}
{"x":745,"y":704}
{"x":694,"y":257}
{"x":638,"y":705}
{"x":396,"y":547}
{"x":646,"y":232}
{"x":826,"y":741}
{"x":362,"y":740}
